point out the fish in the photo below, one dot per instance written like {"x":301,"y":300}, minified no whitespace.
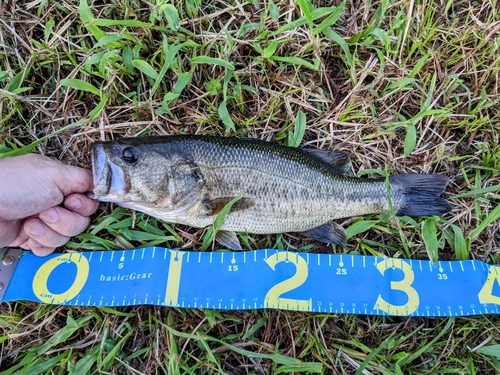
{"x":188,"y":179}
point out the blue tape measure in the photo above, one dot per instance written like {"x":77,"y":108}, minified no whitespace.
{"x":322,"y":283}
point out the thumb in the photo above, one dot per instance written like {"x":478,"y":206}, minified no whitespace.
{"x":71,"y":179}
{"x":8,"y":232}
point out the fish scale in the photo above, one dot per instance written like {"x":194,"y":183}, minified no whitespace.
{"x":246,"y":170}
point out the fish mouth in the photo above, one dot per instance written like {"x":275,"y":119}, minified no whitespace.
{"x":109,"y":179}
{"x":100,"y":171}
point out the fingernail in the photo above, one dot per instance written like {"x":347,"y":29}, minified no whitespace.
{"x":36,"y":244}
{"x":49,"y":216}
{"x":73,"y":203}
{"x":36,"y":229}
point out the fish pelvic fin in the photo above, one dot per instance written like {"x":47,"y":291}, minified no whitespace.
{"x":421,"y":194}
{"x":328,"y":233}
{"x":228,"y":239}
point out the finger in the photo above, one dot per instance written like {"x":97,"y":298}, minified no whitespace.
{"x":37,"y":230}
{"x":33,"y":183}
{"x":25,"y":245}
{"x":9,"y":231}
{"x":71,"y":179}
{"x":38,"y":249}
{"x":63,"y":221}
{"x":81,"y":204}
{"x":21,"y":238}
{"x":67,"y":178}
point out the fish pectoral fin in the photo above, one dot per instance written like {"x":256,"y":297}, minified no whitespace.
{"x":329,"y":233}
{"x":215,"y":206}
{"x":338,"y":161}
{"x":228,"y":239}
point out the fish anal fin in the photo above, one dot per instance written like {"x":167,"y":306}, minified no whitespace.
{"x":328,"y":233}
{"x":338,"y":161}
{"x":214,"y":206}
{"x":228,"y":239}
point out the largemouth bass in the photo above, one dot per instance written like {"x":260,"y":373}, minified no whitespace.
{"x":189,"y":179}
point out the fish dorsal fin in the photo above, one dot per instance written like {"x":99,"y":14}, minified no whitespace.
{"x":328,"y":233}
{"x":338,"y":161}
{"x":228,"y":239}
{"x":214,"y":206}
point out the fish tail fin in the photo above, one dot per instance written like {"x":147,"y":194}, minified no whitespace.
{"x":421,"y":194}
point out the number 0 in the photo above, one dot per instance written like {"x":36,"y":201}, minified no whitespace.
{"x":41,"y":278}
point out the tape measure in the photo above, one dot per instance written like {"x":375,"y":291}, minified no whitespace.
{"x":260,"y":279}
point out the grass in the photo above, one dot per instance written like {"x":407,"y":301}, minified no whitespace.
{"x":404,"y":86}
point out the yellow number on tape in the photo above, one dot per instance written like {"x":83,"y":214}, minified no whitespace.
{"x":403,"y":286}
{"x":174,"y":278}
{"x":486,"y":293}
{"x":41,"y":278}
{"x":273,"y":298}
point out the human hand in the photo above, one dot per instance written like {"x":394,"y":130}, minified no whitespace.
{"x":32,"y":187}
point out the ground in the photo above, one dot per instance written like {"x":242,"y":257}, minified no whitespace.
{"x":402,"y":86}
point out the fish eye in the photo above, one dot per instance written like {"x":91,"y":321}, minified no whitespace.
{"x":129,"y":155}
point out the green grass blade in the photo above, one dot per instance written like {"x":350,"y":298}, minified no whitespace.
{"x":48,"y":29}
{"x":410,"y":139}
{"x":108,"y":40}
{"x":109,"y":360}
{"x":78,"y":84}
{"x":330,"y":20}
{"x":99,"y":108}
{"x":182,"y":82}
{"x":491,"y":350}
{"x":360,"y":226}
{"x":270,"y":50}
{"x":297,"y":61}
{"x":172,"y":16}
{"x":43,"y":367}
{"x":332,"y":35}
{"x":424,"y":348}
{"x":278,"y":358}
{"x":87,"y":18}
{"x":16,"y":81}
{"x":295,"y":138}
{"x":225,"y":116}
{"x":219,"y":220}
{"x":482,"y":191}
{"x":172,"y":52}
{"x":222,"y":110}
{"x":64,"y":333}
{"x":306,"y":368}
{"x":110,"y":23}
{"x":429,"y":233}
{"x":382,"y":36}
{"x":460,"y":245}
{"x":315,"y":14}
{"x":146,"y":68}
{"x":25,"y":149}
{"x":83,"y":366}
{"x":493,"y":216}
{"x":405,"y":83}
{"x":305,"y":6}
{"x":212,"y":61}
